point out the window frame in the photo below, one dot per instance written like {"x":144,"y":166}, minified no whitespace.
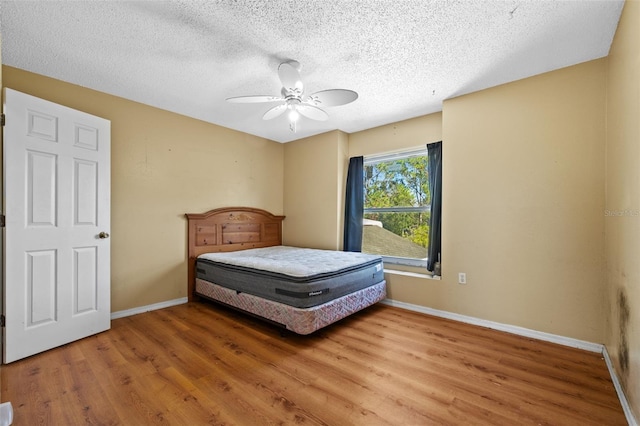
{"x":399,"y":155}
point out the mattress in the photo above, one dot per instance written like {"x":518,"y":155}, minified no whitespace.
{"x":297,"y":277}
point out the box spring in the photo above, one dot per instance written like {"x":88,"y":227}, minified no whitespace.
{"x":301,"y":321}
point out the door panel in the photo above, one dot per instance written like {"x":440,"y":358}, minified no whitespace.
{"x":41,"y":287}
{"x":85,"y":280}
{"x":57,"y":201}
{"x":41,"y":189}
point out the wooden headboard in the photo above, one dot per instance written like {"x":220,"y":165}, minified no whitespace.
{"x":229,"y":229}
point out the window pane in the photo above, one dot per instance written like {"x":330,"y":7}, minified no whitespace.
{"x":396,"y":183}
{"x":396,"y":234}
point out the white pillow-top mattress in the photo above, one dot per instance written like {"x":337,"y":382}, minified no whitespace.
{"x":292,"y":261}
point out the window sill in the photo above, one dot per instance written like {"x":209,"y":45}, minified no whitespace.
{"x":422,"y":275}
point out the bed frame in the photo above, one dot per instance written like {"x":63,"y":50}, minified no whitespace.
{"x":240,"y":228}
{"x":229,"y":229}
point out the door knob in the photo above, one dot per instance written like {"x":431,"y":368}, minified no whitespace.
{"x":103,"y":235}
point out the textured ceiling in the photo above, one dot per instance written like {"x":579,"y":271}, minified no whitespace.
{"x":403,"y":57}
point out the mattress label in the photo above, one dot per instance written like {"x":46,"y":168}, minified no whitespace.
{"x":301,"y":294}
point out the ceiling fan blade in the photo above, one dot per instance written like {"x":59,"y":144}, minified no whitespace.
{"x":274,"y":112}
{"x":254,"y":99}
{"x":290,"y":77}
{"x":312,"y":112}
{"x":332,"y":97}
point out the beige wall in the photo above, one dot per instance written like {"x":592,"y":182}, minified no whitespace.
{"x":162,"y":166}
{"x":622,"y":224}
{"x":403,"y":135}
{"x":314,"y":175}
{"x":523,"y":201}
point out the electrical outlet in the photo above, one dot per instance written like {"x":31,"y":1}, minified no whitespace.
{"x":462,"y":278}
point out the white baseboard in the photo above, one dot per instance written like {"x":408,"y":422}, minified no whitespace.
{"x":521,"y":331}
{"x":616,"y":383}
{"x":147,"y":308}
{"x":6,"y":413}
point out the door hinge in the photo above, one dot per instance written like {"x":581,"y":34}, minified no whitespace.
{"x":2,"y":119}
{"x":1,"y":221}
{"x":2,"y":320}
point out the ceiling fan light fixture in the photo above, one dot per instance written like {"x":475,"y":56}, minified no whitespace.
{"x":293,"y":99}
{"x":293,"y":113}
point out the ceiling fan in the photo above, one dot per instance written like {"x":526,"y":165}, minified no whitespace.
{"x":294,"y":100}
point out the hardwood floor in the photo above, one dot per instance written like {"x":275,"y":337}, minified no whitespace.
{"x":200,"y":363}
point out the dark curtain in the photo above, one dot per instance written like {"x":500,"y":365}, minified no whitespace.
{"x":434,"y":151}
{"x":354,"y":205}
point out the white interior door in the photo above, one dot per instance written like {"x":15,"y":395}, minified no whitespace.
{"x":57,"y":209}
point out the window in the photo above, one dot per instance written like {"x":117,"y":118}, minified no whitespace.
{"x":396,"y":207}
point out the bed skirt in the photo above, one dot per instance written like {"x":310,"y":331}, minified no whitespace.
{"x":298,"y":320}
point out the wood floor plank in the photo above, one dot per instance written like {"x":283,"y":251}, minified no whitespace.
{"x":417,"y":374}
{"x":481,"y":365}
{"x":200,"y":363}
